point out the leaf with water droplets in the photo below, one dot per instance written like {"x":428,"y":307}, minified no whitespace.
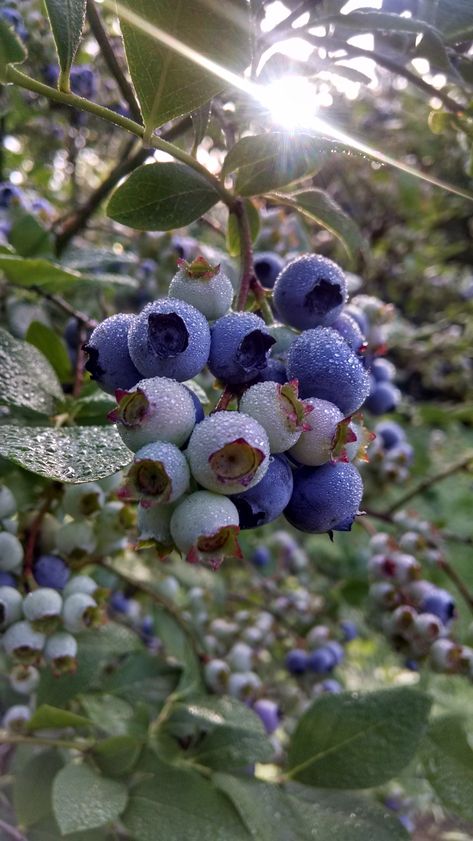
{"x":76,"y":454}
{"x":183,"y":805}
{"x":357,"y":741}
{"x":448,"y":764}
{"x":272,"y":813}
{"x":83,"y":799}
{"x":28,"y":380}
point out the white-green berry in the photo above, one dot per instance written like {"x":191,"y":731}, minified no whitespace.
{"x":76,"y":540}
{"x":42,"y":608}
{"x":159,"y":473}
{"x":204,"y":528}
{"x":206,"y":287}
{"x":7,"y":503}
{"x":80,"y":584}
{"x":243,"y":685}
{"x":228,"y":452}
{"x":156,"y":409}
{"x":16,"y":718}
{"x":240,"y":657}
{"x":79,"y":612}
{"x":60,"y":651}
{"x":22,"y":642}
{"x":316,"y":443}
{"x":154,"y":526}
{"x":279,"y":411}
{"x":24,"y":679}
{"x":216,"y":674}
{"x":109,"y":526}
{"x":11,"y":552}
{"x":83,"y":500}
{"x":11,"y":602}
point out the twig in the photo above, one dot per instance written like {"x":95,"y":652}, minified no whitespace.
{"x":11,"y":832}
{"x":246,"y":251}
{"x":60,"y":302}
{"x":224,"y":401}
{"x":17,"y":739}
{"x":110,"y":59}
{"x":427,"y":483}
{"x":80,"y":361}
{"x":33,"y":533}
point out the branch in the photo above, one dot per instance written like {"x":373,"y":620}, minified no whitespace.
{"x":11,"y":832}
{"x":69,"y":744}
{"x":427,"y":483}
{"x":113,"y":65}
{"x":246,"y":252}
{"x":60,"y":302}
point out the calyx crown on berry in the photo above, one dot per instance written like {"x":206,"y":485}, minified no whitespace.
{"x":132,"y":408}
{"x":294,"y":408}
{"x":198,"y":269}
{"x":236,"y":461}
{"x":214,"y":548}
{"x":345,"y":434}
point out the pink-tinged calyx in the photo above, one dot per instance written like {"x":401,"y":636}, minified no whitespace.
{"x":346,"y":434}
{"x":132,"y":408}
{"x":294,"y":410}
{"x":198,"y":269}
{"x":237,"y":461}
{"x":148,"y":478}
{"x":212,"y":549}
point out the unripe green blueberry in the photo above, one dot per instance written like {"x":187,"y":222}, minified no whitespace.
{"x":76,"y":540}
{"x":204,"y":528}
{"x":384,"y":595}
{"x":10,"y":606}
{"x":109,"y":526}
{"x":60,"y":651}
{"x":445,"y":656}
{"x":206,"y":287}
{"x":228,"y":452}
{"x":22,"y":642}
{"x":24,"y":679}
{"x":11,"y":552}
{"x":83,"y":500}
{"x":223,"y":629}
{"x":240,"y":657}
{"x":401,"y":622}
{"x":169,"y":587}
{"x":7,"y":503}
{"x":427,"y":629}
{"x":50,"y":526}
{"x":80,"y":584}
{"x":79,"y":612}
{"x":154,"y":527}
{"x":216,"y":674}
{"x":243,"y":685}
{"x":279,"y":411}
{"x":42,"y":608}
{"x":316,"y":443}
{"x":156,"y":409}
{"x":16,"y":718}
{"x":159,"y":473}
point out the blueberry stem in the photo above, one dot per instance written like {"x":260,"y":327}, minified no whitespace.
{"x":69,"y":744}
{"x":246,"y":252}
{"x":11,"y":832}
{"x":33,"y":534}
{"x":464,"y":463}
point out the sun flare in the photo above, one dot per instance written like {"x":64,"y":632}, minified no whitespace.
{"x":291,"y":101}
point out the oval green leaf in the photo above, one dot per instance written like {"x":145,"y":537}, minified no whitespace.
{"x":357,"y":741}
{"x":12,"y":50}
{"x":83,"y":799}
{"x":67,"y":21}
{"x":28,"y":380}
{"x":160,"y":197}
{"x":268,"y":161}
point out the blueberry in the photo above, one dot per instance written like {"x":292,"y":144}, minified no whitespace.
{"x":51,"y":571}
{"x":322,"y":660}
{"x":109,"y":362}
{"x":350,"y":331}
{"x":336,"y":650}
{"x":204,"y":527}
{"x":326,"y":368}
{"x":382,"y":370}
{"x":9,"y":193}
{"x":266,"y":501}
{"x":83,"y":81}
{"x":349,"y":630}
{"x":383,"y":397}
{"x":268,"y":712}
{"x":199,"y":409}
{"x":169,"y":338}
{"x":391,"y":434}
{"x":119,"y":602}
{"x":7,"y":580}
{"x":204,"y":286}
{"x":240,"y":343}
{"x":310,"y":291}
{"x":332,"y":686}
{"x":267,"y":266}
{"x":261,"y":556}
{"x":440,"y":603}
{"x":275,"y":371}
{"x":324,"y":497}
{"x":297,"y":661}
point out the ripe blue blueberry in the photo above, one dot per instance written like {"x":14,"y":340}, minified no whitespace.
{"x":261,"y":556}
{"x":199,"y":409}
{"x":382,"y":370}
{"x":7,"y":580}
{"x":109,"y":362}
{"x":169,"y":339}
{"x":267,"y":500}
{"x":275,"y":371}
{"x":322,"y":660}
{"x":324,"y":497}
{"x":349,"y":630}
{"x":51,"y":571}
{"x":267,"y":266}
{"x":326,"y":368}
{"x":297,"y":661}
{"x":268,"y":711}
{"x":383,"y":397}
{"x":350,"y":331}
{"x":332,"y":686}
{"x":240,"y":342}
{"x":9,"y":194}
{"x":390,"y":433}
{"x":440,"y":603}
{"x":310,"y":291}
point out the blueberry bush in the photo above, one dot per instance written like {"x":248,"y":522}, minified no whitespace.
{"x":236,"y":420}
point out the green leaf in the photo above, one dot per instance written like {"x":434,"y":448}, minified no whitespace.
{"x":37,"y":272}
{"x":268,"y":161}
{"x":222,"y":733}
{"x":33,"y":785}
{"x":160,"y":197}
{"x":200,"y":120}
{"x":351,"y":741}
{"x":28,"y":380}
{"x":83,"y":799}
{"x":167,"y":83}
{"x":73,"y":454}
{"x":52,"y":347}
{"x":67,"y":21}
{"x":448,"y":764}
{"x":12,"y":50}
{"x":304,"y":814}
{"x":143,"y":677}
{"x":233,"y":231}
{"x":317,"y":206}
{"x":29,"y":237}
{"x":47,"y":716}
{"x":112,"y":715}
{"x":454,"y":19}
{"x":117,"y":756}
{"x":177,"y":804}
{"x":176,"y":644}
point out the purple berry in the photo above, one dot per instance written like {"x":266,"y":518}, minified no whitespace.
{"x":390,"y":433}
{"x":324,"y":497}
{"x":297,"y":661}
{"x":322,"y":660}
{"x":383,"y":397}
{"x":261,"y":557}
{"x":310,"y":291}
{"x":267,"y":266}
{"x":239,"y":348}
{"x":275,"y":371}
{"x":268,"y":712}
{"x":7,"y":580}
{"x":349,"y":630}
{"x":350,"y":331}
{"x":268,"y":499}
{"x":382,"y":370}
{"x":332,"y":686}
{"x":440,"y":603}
{"x":51,"y":571}
{"x":109,"y":362}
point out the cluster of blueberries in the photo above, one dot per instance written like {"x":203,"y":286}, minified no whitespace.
{"x":416,"y":615}
{"x":390,"y":453}
{"x":14,"y":201}
{"x":290,"y":446}
{"x":13,"y":18}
